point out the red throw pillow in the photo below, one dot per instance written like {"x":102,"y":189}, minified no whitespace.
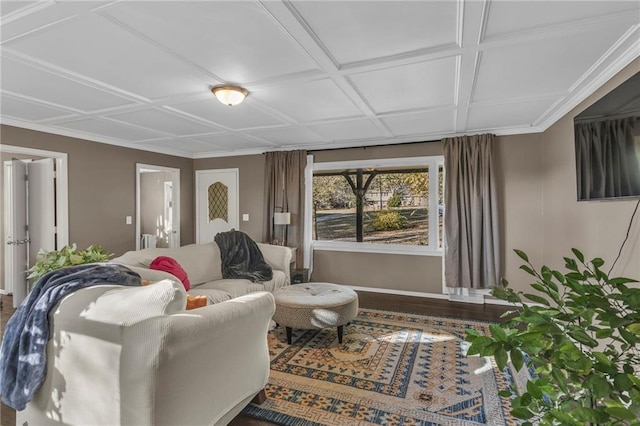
{"x":170,"y":265}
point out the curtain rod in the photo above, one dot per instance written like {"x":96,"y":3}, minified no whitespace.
{"x":311,"y":151}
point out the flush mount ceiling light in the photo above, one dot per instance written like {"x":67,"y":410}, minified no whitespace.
{"x":230,"y":95}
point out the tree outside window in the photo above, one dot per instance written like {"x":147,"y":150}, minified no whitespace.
{"x":377,"y":205}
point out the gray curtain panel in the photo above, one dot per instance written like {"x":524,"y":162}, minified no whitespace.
{"x":284,"y":192}
{"x":607,"y":158}
{"x":472,"y":241}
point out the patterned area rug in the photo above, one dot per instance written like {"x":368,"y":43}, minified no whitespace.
{"x":391,"y":369}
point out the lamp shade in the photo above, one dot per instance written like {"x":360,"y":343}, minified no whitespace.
{"x":230,"y":95}
{"x":283,"y":218}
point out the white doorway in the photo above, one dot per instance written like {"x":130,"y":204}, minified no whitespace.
{"x":157,"y":206}
{"x":217,"y":203}
{"x":34,"y":212}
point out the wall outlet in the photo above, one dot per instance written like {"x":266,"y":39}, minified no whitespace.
{"x":128,"y":220}
{"x":245,"y":217}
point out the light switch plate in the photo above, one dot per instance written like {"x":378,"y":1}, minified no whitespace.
{"x":245,"y":217}
{"x":128,"y":220}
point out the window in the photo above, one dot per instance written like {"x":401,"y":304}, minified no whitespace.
{"x":393,"y":205}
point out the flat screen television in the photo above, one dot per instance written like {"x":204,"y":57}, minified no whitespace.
{"x":607,"y":145}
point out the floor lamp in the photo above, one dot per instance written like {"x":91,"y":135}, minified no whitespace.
{"x":283,"y":219}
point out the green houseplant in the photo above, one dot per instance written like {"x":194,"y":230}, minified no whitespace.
{"x":66,"y":256}
{"x":581,"y":334}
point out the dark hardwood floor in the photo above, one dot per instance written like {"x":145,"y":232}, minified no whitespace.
{"x":387,"y":302}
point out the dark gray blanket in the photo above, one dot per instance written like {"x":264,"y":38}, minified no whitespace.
{"x":241,"y":257}
{"x":23,"y":358}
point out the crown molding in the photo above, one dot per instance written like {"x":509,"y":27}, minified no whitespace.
{"x":91,"y":138}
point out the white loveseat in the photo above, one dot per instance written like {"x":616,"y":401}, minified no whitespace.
{"x":133,"y":356}
{"x":203,"y":265}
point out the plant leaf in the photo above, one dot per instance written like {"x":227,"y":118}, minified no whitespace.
{"x":578,"y":254}
{"x":522,"y":255}
{"x":598,"y":385}
{"x":517,"y":359}
{"x":634,"y":328}
{"x":621,"y":413}
{"x":501,"y":358}
{"x":622,"y":382}
{"x":534,"y":390}
{"x":522,"y":413}
{"x":536,"y":298}
{"x":498,"y":333}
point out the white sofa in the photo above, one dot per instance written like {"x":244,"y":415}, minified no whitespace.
{"x":203,"y":265}
{"x":133,"y":356}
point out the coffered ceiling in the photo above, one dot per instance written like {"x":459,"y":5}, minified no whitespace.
{"x":321,"y":74}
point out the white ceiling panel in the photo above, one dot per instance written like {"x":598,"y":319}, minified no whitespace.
{"x":420,"y":85}
{"x":506,"y":17}
{"x":25,"y":110}
{"x":231,"y":141}
{"x":355,"y":31}
{"x":288,"y":136}
{"x":39,"y":15}
{"x":35,"y":83}
{"x":8,"y":7}
{"x":432,"y":122}
{"x":519,"y":114}
{"x":237,"y":41}
{"x":348,"y":130}
{"x":101,"y":50}
{"x":308,"y":101}
{"x":111,"y":129}
{"x":238,"y":117}
{"x":164,"y":122}
{"x":538,"y":67}
{"x":320,"y":73}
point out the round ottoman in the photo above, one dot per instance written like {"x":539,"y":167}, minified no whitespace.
{"x":315,"y":305}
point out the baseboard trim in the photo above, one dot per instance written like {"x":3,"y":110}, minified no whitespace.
{"x":429,"y":295}
{"x":399,"y":292}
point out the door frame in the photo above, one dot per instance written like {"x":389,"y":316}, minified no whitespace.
{"x":199,"y":174}
{"x":62,"y":197}
{"x":175,"y":178}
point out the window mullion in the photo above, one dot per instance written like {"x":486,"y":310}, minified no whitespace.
{"x":433,"y":205}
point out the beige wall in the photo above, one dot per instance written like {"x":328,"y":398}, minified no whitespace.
{"x":519,"y":178}
{"x":421,"y":274}
{"x":595,"y":227}
{"x":102,"y":180}
{"x":251,"y":176}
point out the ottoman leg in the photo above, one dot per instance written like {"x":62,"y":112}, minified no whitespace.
{"x":289,"y":330}
{"x":340,"y":332}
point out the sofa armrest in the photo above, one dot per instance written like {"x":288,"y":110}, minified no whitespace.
{"x":208,"y":361}
{"x":278,"y":257}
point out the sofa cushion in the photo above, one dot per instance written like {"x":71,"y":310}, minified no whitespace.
{"x":170,"y":265}
{"x":201,"y":262}
{"x":234,"y":287}
{"x":128,"y":305}
{"x":279,"y":280}
{"x":213,"y":296}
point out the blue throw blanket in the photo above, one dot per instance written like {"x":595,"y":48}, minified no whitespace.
{"x":23,"y":358}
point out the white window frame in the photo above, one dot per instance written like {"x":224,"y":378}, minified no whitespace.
{"x":432,"y":162}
